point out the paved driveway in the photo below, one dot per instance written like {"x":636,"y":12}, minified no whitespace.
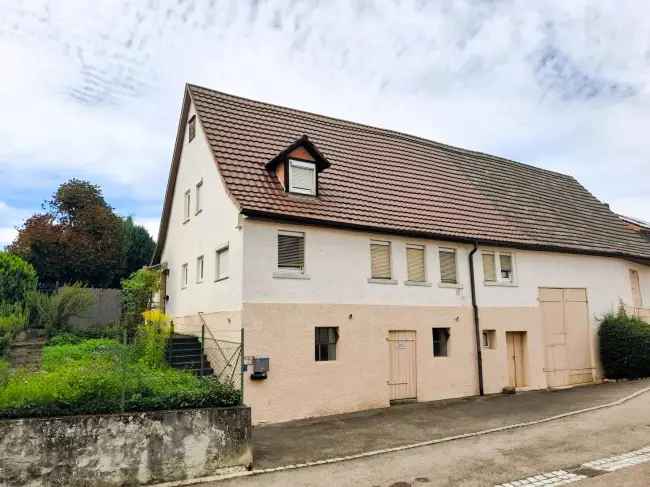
{"x":335,"y":436}
{"x":486,"y":461}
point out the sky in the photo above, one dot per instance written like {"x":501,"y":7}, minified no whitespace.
{"x":93,"y":89}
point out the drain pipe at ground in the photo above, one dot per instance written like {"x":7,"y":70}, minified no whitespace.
{"x":477,"y":327}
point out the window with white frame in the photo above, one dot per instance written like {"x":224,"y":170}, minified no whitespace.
{"x":186,"y":206}
{"x":221,"y":262}
{"x":197,"y":198}
{"x":380,"y":267}
{"x":199,"y":268}
{"x":448,"y":270}
{"x":498,"y":267}
{"x":184,"y":276}
{"x":291,"y":251}
{"x":302,"y":177}
{"x":416,"y":271}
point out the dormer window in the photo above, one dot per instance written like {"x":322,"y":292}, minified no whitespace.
{"x":302,"y":177}
{"x":297,"y":167}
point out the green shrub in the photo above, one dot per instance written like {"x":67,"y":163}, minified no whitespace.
{"x":151,"y":338}
{"x":12,"y":319}
{"x":104,"y":376}
{"x":137,"y":296}
{"x":5,"y":372}
{"x":624,"y":346}
{"x":54,"y":311}
{"x":17,"y":278}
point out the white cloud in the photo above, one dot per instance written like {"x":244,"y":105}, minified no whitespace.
{"x":94,"y":90}
{"x":7,"y":235}
{"x":151,"y":224}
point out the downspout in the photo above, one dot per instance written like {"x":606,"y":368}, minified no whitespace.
{"x":477,"y":327}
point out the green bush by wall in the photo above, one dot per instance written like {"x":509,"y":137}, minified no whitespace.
{"x":624,"y":346}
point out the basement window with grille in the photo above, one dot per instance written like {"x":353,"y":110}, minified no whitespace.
{"x":291,"y":253}
{"x":302,"y":177}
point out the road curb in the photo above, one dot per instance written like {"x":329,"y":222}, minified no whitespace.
{"x":372,"y":453}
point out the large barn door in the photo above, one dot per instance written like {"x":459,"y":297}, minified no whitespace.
{"x":567,"y":337}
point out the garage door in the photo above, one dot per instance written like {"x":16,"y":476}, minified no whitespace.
{"x":567,"y":336}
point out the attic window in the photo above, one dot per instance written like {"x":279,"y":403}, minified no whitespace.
{"x":191,"y":128}
{"x":302,"y":177}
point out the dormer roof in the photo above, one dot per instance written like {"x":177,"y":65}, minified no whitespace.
{"x":301,"y":143}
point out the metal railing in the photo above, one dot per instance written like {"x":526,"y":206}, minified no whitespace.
{"x":225,"y":356}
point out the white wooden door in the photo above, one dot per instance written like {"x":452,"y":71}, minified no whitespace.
{"x":403,"y":375}
{"x":516,"y":358}
{"x":567,"y":336}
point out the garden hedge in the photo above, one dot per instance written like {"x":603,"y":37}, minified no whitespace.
{"x":624,"y":346}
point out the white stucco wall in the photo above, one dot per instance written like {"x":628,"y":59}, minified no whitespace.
{"x":337,"y":264}
{"x":214,"y":226}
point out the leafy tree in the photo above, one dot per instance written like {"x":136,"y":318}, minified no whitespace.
{"x":77,"y":239}
{"x":17,"y":278}
{"x":138,"y":246}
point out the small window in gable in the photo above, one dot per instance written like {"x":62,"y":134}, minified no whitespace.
{"x":184,"y":276}
{"x":199,"y":269}
{"x":197,"y":197}
{"x":191,"y":128}
{"x":221,"y":271}
{"x":186,"y":206}
{"x":302,"y":177}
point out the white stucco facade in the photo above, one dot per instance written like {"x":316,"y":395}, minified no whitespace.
{"x":279,"y":312}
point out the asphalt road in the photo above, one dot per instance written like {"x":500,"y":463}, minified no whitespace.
{"x":485,"y":461}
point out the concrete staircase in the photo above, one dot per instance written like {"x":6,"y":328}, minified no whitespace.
{"x":184,"y":352}
{"x":26,"y":351}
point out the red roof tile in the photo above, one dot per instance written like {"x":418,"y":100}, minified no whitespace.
{"x":389,"y":181}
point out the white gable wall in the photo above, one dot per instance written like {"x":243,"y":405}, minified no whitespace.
{"x":215,"y":225}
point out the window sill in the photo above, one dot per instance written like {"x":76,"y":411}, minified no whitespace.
{"x":199,"y":282}
{"x":197,"y":212}
{"x":221,"y":279}
{"x":450,"y":285}
{"x":381,"y":281}
{"x":500,"y":284}
{"x":417,"y":283}
{"x":187,"y":220}
{"x":290,"y":275}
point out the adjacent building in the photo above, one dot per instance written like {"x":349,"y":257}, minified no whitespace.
{"x":371,"y":266}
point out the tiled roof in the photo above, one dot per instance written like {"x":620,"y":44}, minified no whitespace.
{"x":389,"y":181}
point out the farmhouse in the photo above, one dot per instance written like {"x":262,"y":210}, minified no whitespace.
{"x":371,"y":266}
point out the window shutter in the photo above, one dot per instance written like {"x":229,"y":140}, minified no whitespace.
{"x":380,"y":260}
{"x":506,"y":266}
{"x":448,"y":266}
{"x":415,"y":264}
{"x":489,"y":271}
{"x":291,"y":252}
{"x":302,"y":177}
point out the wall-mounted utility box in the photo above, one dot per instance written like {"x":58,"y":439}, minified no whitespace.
{"x":260,"y":368}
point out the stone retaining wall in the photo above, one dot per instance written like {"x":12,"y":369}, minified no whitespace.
{"x":124,"y":449}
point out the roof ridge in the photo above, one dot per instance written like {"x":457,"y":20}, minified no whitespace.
{"x":386,"y":131}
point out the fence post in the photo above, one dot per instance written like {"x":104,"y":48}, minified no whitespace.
{"x":241,"y":367}
{"x":202,"y":346}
